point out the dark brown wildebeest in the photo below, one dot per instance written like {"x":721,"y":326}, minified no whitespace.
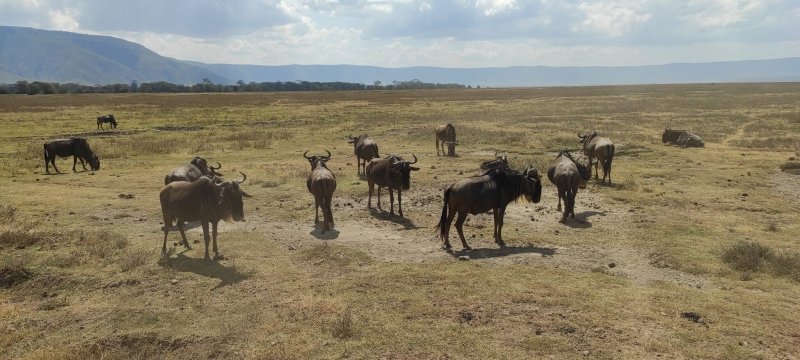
{"x":493,"y":190}
{"x":391,"y":172}
{"x":321,"y":183}
{"x":446,"y":134}
{"x":499,"y":161}
{"x":106,"y":119}
{"x":600,"y":150}
{"x":76,"y":147}
{"x":568,"y":175}
{"x":365,"y":149}
{"x":681,"y":138}
{"x":194,"y":170}
{"x":203,"y":201}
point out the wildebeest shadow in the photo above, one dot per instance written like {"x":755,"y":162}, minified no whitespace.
{"x":581,"y":220}
{"x":327,"y":235}
{"x":407,"y":224}
{"x":226,"y":274}
{"x":486,"y":253}
{"x":186,"y":226}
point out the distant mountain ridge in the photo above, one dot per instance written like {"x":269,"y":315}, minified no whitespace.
{"x":57,"y":56}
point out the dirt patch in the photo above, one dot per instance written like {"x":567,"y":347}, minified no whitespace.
{"x":180,"y":128}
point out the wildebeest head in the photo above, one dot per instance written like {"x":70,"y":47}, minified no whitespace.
{"x":584,"y":170}
{"x":94,"y":161}
{"x":585,"y":139}
{"x":317,"y":159}
{"x":230,"y":199}
{"x":532,"y":185}
{"x":670,"y":135}
{"x":499,"y":161}
{"x":355,"y":140}
{"x":402,"y":168}
{"x":204,"y":168}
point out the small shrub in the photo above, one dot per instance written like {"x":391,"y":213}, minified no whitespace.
{"x":747,"y":256}
{"x":7,"y":214}
{"x":102,"y":244}
{"x":133,"y":259}
{"x":786,"y":264}
{"x":343,"y":326}
{"x":14,"y":270}
{"x":771,"y":227}
{"x":53,"y":303}
{"x":792,"y":167}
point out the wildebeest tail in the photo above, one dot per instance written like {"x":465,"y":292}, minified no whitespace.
{"x":442,"y":225}
{"x":609,"y":158}
{"x":46,"y":157}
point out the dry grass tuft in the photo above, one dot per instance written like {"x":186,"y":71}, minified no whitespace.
{"x":14,"y":270}
{"x":343,"y":326}
{"x":752,"y":257}
{"x":792,"y":167}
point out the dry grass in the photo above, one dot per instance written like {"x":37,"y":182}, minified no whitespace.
{"x":379,"y":286}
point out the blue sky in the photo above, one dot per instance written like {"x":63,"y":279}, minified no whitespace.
{"x":449,"y":33}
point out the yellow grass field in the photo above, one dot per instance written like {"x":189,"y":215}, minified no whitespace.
{"x":691,"y":253}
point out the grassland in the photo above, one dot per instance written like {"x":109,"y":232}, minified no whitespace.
{"x":710,"y":231}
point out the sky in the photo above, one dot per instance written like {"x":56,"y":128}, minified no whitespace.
{"x":446,"y":33}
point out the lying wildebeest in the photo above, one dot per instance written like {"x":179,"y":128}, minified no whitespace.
{"x":194,"y":170}
{"x":499,"y":161}
{"x":77,"y":147}
{"x":493,"y":190}
{"x":106,"y":119}
{"x":321,"y":183}
{"x":364,"y":148}
{"x":392,"y":172}
{"x":600,"y":150}
{"x":203,"y":201}
{"x":681,"y":138}
{"x":568,"y":175}
{"x":446,"y":134}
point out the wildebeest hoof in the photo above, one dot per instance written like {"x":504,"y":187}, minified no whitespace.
{"x":219,"y":257}
{"x":196,"y":241}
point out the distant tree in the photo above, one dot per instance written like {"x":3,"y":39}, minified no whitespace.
{"x":21,"y":87}
{"x":134,"y":86}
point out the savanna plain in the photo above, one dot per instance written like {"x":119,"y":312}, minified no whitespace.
{"x":690,"y":253}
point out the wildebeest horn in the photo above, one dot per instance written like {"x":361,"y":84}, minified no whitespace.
{"x":219,"y":166}
{"x":304,"y":155}
{"x":351,"y":136}
{"x":415,"y":159}
{"x":244,"y":177}
{"x":329,"y":154}
{"x":580,"y":135}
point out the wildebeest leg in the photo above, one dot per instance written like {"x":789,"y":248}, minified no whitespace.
{"x":562,"y":193}
{"x":462,"y":215}
{"x":559,"y":199}
{"x":379,"y":196}
{"x":327,"y":212}
{"x":167,"y":224}
{"x":206,"y":238}
{"x":595,"y":166}
{"x":83,"y":164}
{"x":437,"y":146}
{"x":369,"y":199}
{"x":214,"y":240}
{"x":400,"y":201}
{"x":53,"y":161}
{"x":317,"y":204}
{"x":501,"y":212}
{"x":74,"y":162}
{"x":572,"y":195}
{"x":391,"y":201}
{"x":179,"y":222}
{"x":449,"y":221}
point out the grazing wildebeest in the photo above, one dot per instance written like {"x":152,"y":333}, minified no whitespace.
{"x":204,"y":201}
{"x":195,"y":169}
{"x":365,"y":149}
{"x":600,"y":150}
{"x":681,"y":138}
{"x":392,"y":172}
{"x":321,"y":183}
{"x":568,"y":175}
{"x":493,"y":190}
{"x":106,"y":119}
{"x":499,"y":161}
{"x":77,"y":147}
{"x":446,"y":134}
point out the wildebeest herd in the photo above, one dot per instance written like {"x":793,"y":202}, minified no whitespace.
{"x":195,"y":191}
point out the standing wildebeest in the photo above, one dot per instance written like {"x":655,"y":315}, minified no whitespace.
{"x":77,"y":147}
{"x":365,"y":149}
{"x":192,"y":171}
{"x":106,"y":119}
{"x":493,"y":190}
{"x":447,"y":135}
{"x":568,"y":175}
{"x":203,"y":201}
{"x":499,"y":161}
{"x":600,"y":150}
{"x":321,"y":183}
{"x":392,"y":172}
{"x":681,"y":138}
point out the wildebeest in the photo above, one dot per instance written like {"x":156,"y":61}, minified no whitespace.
{"x":600,"y":150}
{"x":392,"y":172}
{"x":106,"y":119}
{"x":499,"y":161}
{"x":204,"y":201}
{"x":365,"y":149}
{"x":321,"y":183}
{"x":681,"y":138}
{"x":568,"y":175}
{"x":446,"y":134}
{"x":192,"y":171}
{"x":493,"y":190}
{"x":77,"y":147}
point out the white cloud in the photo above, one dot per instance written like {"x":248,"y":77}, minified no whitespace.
{"x":610,"y":18}
{"x":63,"y":20}
{"x":492,"y":7}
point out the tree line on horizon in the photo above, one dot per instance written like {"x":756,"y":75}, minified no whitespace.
{"x":40,"y":87}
